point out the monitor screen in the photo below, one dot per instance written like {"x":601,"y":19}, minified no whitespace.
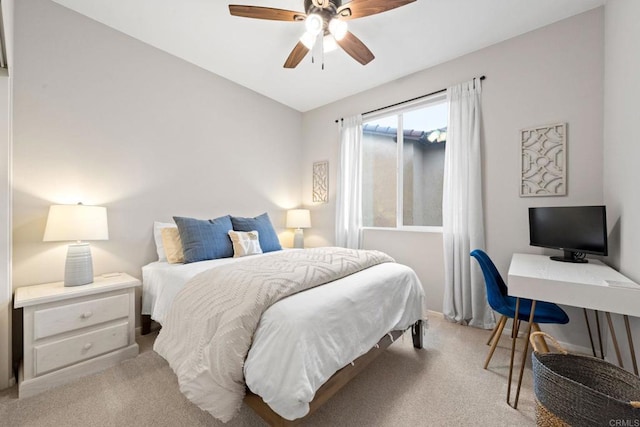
{"x":577,"y":230}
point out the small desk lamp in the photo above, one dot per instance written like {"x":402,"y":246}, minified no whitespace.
{"x":77,"y":222}
{"x":298,"y":219}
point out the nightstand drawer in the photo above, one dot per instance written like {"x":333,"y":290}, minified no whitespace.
{"x":81,"y":347}
{"x":52,"y":321}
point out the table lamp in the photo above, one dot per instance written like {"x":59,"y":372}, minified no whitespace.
{"x":298,"y":219}
{"x":77,"y":222}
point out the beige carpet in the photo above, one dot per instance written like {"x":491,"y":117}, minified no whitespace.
{"x":443,"y":385}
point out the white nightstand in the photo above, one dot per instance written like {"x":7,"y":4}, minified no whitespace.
{"x":74,"y":331}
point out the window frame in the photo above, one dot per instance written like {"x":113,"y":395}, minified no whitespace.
{"x":398,"y":111}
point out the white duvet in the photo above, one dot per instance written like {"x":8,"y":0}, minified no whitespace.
{"x":304,"y":339}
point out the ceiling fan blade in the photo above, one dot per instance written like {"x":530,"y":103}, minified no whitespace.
{"x":259,"y":12}
{"x":354,"y":47}
{"x":361,"y":8}
{"x":296,"y":55}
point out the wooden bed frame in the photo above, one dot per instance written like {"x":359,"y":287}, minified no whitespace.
{"x":333,"y":384}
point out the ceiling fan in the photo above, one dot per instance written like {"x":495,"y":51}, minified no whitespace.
{"x":325,"y":19}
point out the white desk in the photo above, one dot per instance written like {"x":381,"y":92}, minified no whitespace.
{"x":539,"y":278}
{"x":580,"y":285}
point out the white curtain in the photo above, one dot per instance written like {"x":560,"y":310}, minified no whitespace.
{"x":465,"y":298}
{"x":349,"y":194}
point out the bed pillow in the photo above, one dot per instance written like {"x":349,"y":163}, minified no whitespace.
{"x":245,"y":243}
{"x":157,"y":236}
{"x":262,"y":224}
{"x":204,"y":239}
{"x":172,"y":245}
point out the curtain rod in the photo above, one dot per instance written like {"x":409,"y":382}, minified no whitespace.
{"x":404,"y":102}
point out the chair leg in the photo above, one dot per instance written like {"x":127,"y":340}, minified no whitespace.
{"x":498,"y":333}
{"x":493,"y":333}
{"x":540,"y":340}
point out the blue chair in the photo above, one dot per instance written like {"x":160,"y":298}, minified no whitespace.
{"x":504,"y":304}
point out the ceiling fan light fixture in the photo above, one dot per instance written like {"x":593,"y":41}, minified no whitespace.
{"x":308,"y":40}
{"x":329,"y":44}
{"x":338,"y":28}
{"x":314,"y":23}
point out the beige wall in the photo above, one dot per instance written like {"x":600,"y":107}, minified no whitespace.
{"x":5,"y":232}
{"x":554,"y":74}
{"x":420,"y":250}
{"x":6,"y":374}
{"x":622,"y":143}
{"x":107,"y":120}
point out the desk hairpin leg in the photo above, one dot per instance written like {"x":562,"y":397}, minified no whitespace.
{"x":514,"y":336}
{"x":586,"y":319}
{"x":614,"y":339}
{"x":631,"y":349}
{"x":593,"y":348}
{"x":599,"y":334}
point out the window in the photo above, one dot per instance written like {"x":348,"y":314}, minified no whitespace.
{"x":403,"y":165}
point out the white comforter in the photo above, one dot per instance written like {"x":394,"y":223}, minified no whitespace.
{"x":302,"y":340}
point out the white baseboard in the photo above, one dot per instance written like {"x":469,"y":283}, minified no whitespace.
{"x":571,"y":348}
{"x":435,"y":314}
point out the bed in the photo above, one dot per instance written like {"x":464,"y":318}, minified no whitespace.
{"x":328,"y":333}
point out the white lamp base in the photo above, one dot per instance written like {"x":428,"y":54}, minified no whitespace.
{"x":78,"y":269}
{"x":298,"y":239}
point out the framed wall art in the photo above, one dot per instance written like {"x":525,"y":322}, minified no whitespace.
{"x":543,"y":160}
{"x":321,"y":182}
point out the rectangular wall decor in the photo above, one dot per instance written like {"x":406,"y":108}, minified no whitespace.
{"x":544,"y":160}
{"x":321,"y":182}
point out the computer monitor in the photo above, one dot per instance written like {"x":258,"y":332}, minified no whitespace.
{"x":576,"y":230}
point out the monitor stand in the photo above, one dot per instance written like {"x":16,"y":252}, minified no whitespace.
{"x":571,"y":256}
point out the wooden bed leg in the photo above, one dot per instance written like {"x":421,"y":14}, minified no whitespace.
{"x":146,"y":324}
{"x":416,"y":333}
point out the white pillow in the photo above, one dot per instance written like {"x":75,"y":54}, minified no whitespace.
{"x":157,"y":236}
{"x":245,"y":243}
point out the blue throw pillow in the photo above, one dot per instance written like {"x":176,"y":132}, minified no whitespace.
{"x":205,"y":239}
{"x":262,"y":224}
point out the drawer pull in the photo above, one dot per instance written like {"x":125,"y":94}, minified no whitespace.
{"x":87,"y":346}
{"x":86,"y":315}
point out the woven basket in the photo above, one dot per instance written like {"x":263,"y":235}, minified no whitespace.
{"x":581,"y":391}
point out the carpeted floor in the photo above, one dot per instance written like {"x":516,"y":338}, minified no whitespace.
{"x":443,"y":385}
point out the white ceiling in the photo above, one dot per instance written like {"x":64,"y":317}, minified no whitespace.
{"x":251,"y":52}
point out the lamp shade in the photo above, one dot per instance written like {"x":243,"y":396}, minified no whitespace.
{"x":298,"y":218}
{"x":76,"y":222}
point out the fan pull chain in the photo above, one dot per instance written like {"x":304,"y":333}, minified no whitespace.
{"x":313,"y":50}
{"x":322,"y":50}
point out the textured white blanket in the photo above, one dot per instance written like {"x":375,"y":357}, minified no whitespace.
{"x":209,"y":329}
